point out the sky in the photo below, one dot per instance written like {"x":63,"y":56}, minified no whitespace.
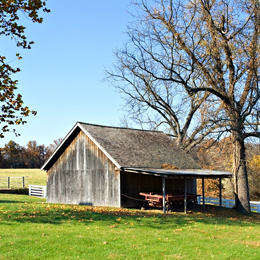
{"x":62,"y":76}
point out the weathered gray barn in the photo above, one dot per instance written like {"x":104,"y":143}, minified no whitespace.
{"x":109,"y":166}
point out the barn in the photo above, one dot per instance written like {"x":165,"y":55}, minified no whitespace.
{"x":109,"y":166}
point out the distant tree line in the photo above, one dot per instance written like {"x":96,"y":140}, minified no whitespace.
{"x":32,"y":155}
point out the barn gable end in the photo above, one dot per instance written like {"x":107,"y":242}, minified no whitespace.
{"x":83,"y":174}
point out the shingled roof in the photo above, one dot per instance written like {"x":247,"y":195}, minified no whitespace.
{"x":134,"y":148}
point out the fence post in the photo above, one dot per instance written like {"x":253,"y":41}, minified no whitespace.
{"x":45,"y":191}
{"x":8,"y":182}
{"x":30,"y":190}
{"x":23,"y":181}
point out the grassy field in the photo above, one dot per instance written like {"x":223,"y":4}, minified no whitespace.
{"x":36,"y":176}
{"x":33,"y":229}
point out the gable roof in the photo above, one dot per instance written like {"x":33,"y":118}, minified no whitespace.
{"x":127,"y":147}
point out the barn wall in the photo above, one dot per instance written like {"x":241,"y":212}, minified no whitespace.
{"x":83,"y":175}
{"x":133,"y":183}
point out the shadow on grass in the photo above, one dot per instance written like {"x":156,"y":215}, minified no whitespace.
{"x":24,"y":212}
{"x":10,"y":201}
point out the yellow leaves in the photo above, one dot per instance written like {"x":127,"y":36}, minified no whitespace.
{"x":177,"y":230}
{"x":112,"y":226}
{"x":255,"y":161}
{"x":19,"y":56}
{"x":167,"y":166}
{"x":253,"y":244}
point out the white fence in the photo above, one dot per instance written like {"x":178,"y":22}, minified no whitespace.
{"x":37,"y":191}
{"x":255,"y":205}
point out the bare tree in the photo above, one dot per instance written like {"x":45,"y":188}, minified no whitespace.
{"x":151,"y":77}
{"x":187,"y":56}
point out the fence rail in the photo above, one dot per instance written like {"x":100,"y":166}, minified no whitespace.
{"x":37,"y":191}
{"x":255,"y":205}
{"x":14,"y":182}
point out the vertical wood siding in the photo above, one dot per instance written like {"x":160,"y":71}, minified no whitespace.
{"x":83,"y":175}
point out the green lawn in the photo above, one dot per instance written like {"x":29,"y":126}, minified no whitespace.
{"x":36,"y":176}
{"x":33,"y":229}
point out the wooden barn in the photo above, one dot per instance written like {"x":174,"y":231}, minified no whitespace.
{"x":110,"y":166}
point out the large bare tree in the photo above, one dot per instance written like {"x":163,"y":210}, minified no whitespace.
{"x":151,"y":76}
{"x":197,"y":59}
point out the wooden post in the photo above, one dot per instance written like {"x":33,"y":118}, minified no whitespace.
{"x":185,"y":195}
{"x":23,"y":181}
{"x":8,"y":182}
{"x":163,"y":191}
{"x":203,"y":193}
{"x":220,"y":193}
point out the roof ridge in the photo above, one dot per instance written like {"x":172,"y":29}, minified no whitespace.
{"x":123,"y":128}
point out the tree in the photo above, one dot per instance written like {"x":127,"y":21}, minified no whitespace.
{"x":13,"y":110}
{"x":205,"y":50}
{"x":11,"y":153}
{"x":144,"y":73}
{"x":51,"y":148}
{"x":34,"y":155}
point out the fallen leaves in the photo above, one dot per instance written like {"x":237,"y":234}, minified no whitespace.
{"x":252,"y":243}
{"x":112,"y":226}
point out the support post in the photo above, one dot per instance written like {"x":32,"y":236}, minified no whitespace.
{"x":163,"y":191}
{"x":203,"y":193}
{"x":23,"y":181}
{"x":185,"y":195}
{"x":8,"y":182}
{"x":220,"y":193}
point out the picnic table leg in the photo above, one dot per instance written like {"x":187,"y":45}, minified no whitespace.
{"x":163,"y":191}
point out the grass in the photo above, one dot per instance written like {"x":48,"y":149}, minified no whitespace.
{"x":36,"y":176}
{"x":33,"y":229}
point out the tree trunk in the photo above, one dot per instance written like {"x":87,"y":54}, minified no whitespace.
{"x":241,"y":187}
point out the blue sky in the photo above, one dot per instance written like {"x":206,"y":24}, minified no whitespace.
{"x":62,"y":75}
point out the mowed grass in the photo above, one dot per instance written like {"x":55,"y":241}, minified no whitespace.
{"x":35,"y":176}
{"x":33,"y":229}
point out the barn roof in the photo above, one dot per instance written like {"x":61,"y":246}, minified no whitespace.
{"x":127,"y":147}
{"x":177,"y":173}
